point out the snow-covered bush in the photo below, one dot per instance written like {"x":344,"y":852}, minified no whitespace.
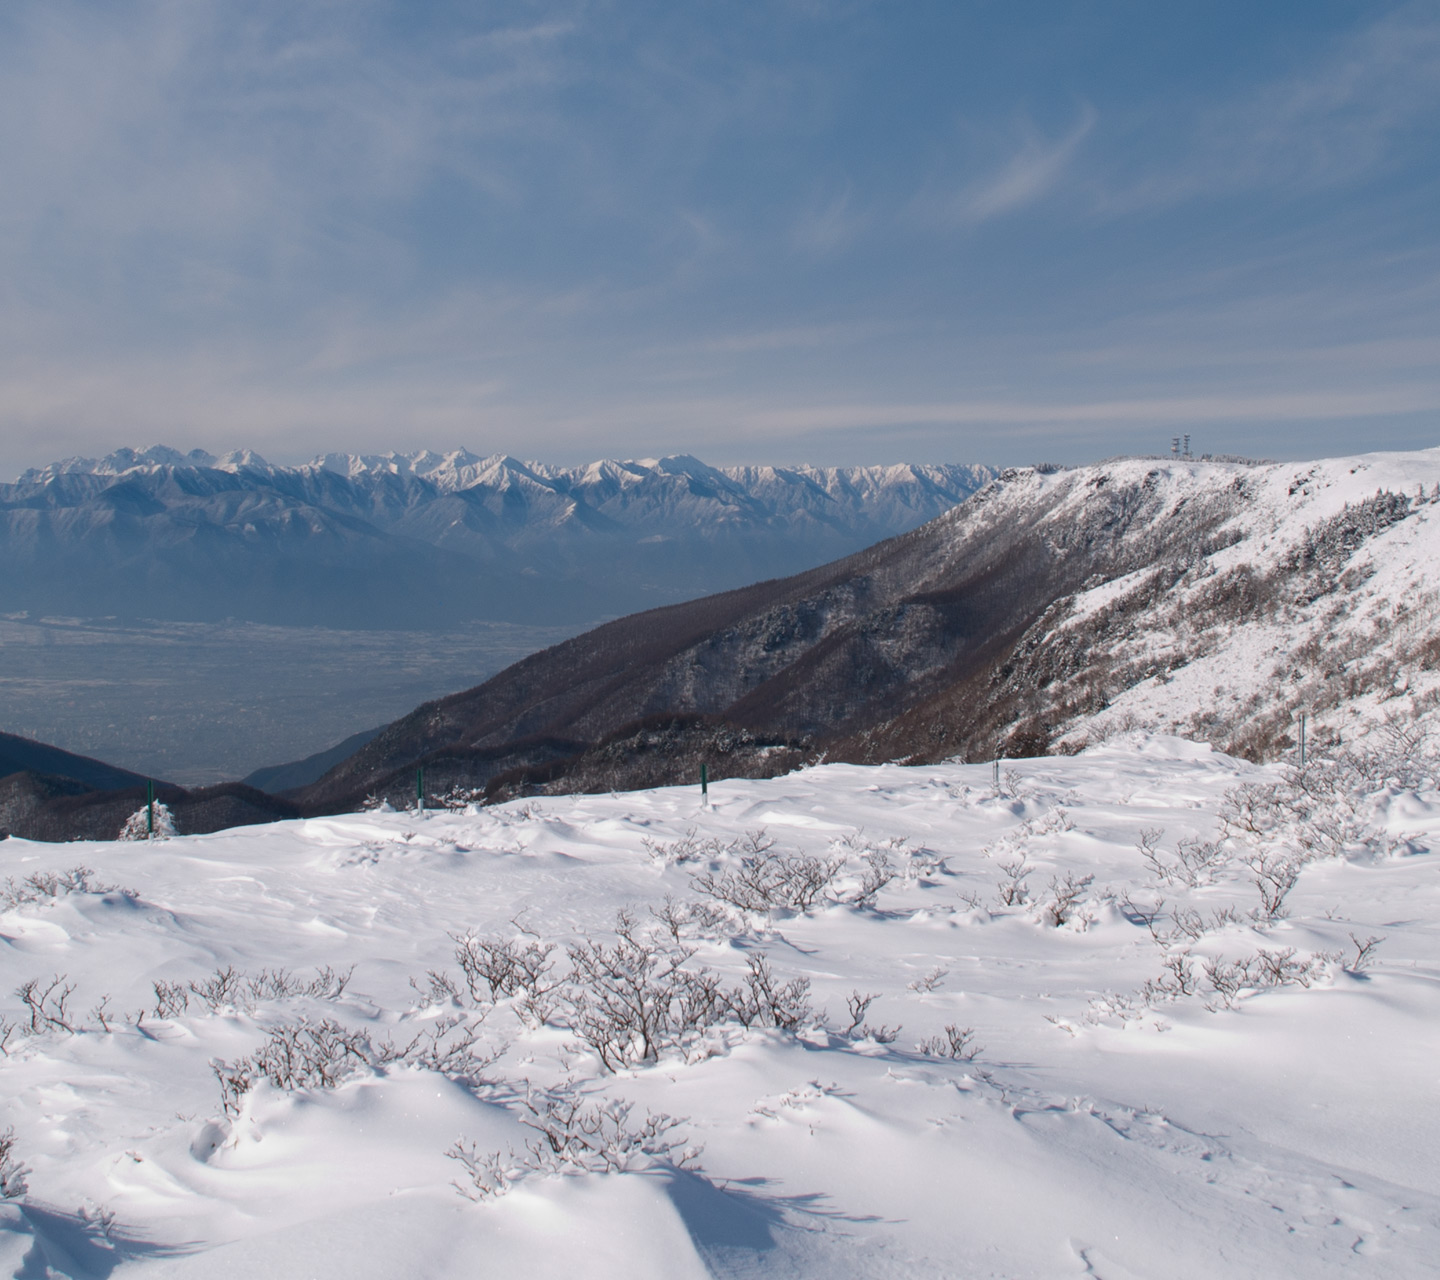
{"x":574,"y":1136}
{"x":137,"y":825}
{"x":760,"y":1001}
{"x":325,"y":1054}
{"x":1193,"y":863}
{"x":497,"y":968}
{"x":640,"y":996}
{"x":44,"y":885}
{"x":768,"y":881}
{"x":1065,"y":896}
{"x":634,"y":998}
{"x":1012,"y":888}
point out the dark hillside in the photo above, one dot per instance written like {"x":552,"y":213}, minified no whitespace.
{"x":22,"y":755}
{"x":848,"y":656}
{"x":34,"y":806}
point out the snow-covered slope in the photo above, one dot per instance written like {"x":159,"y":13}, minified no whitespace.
{"x":1307,"y":589}
{"x":1158,"y":1075}
{"x":1054,"y":607}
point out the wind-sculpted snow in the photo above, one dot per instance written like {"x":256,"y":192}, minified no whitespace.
{"x":1144,"y":1011}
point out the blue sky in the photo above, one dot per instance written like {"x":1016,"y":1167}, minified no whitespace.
{"x":786,"y":231}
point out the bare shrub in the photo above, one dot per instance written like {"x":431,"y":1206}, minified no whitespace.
{"x":43,"y":886}
{"x":325,"y":1054}
{"x":1148,"y":843}
{"x":688,"y":848}
{"x":1275,"y":875}
{"x":1139,"y":913}
{"x":506,"y":968}
{"x":221,"y":990}
{"x":231,"y":988}
{"x":932,"y":981}
{"x":12,"y":1172}
{"x":632,"y":999}
{"x":439,"y":989}
{"x":171,"y":999}
{"x":857,"y":1006}
{"x":1013,"y":890}
{"x":766,"y":881}
{"x":1262,"y":970}
{"x":102,"y":1013}
{"x":1179,"y":976}
{"x":703,"y":917}
{"x":1065,"y":895}
{"x":459,"y":798}
{"x":760,"y":1001}
{"x":879,"y":872}
{"x":1312,"y":809}
{"x":449,"y":1046}
{"x":957,"y":1042}
{"x":1364,"y":953}
{"x":1194,"y":864}
{"x":47,"y":1005}
{"x":1400,"y":750}
{"x":281,"y":984}
{"x":297,"y":1055}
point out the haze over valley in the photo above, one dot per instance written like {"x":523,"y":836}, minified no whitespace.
{"x":240,"y":586}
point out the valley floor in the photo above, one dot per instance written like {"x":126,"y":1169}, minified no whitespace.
{"x":197,"y":703}
{"x":1161,"y":1078}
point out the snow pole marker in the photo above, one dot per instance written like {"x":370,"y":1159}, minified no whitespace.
{"x":420,"y":789}
{"x":149,"y":808}
{"x":704,"y":785}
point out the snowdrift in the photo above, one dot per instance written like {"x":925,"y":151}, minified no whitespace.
{"x":1145,"y":1011}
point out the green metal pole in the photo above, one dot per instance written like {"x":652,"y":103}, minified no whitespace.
{"x":149,"y":808}
{"x":420,"y":788}
{"x":704,"y":784}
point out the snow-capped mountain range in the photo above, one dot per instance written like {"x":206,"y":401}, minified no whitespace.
{"x":427,"y":538}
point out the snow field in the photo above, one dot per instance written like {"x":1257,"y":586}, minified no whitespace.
{"x":1103,"y":1127}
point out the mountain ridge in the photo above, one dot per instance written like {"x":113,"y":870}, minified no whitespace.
{"x":1053,"y":608}
{"x":448,"y":537}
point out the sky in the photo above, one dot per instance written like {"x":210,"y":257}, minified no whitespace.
{"x":845,"y":232}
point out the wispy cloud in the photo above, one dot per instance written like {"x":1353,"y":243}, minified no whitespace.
{"x":830,"y":224}
{"x":1034,"y":167}
{"x":1345,"y":116}
{"x":1283,"y":406}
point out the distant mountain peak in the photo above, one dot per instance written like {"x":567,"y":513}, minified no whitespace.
{"x":121,"y":461}
{"x":455,"y":534}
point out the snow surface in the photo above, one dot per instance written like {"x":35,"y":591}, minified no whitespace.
{"x":1293,"y":1133}
{"x":1344,"y":641}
